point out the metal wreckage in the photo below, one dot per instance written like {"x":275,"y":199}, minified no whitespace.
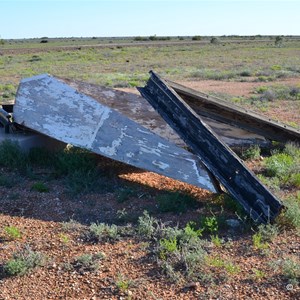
{"x":151,"y":135}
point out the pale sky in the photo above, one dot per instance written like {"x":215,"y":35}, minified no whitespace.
{"x":88,"y":18}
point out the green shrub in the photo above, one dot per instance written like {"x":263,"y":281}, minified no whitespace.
{"x":215,"y":40}
{"x":278,"y":41}
{"x":23,"y":261}
{"x":209,"y":224}
{"x":12,"y":232}
{"x":216,"y":240}
{"x":123,"y":283}
{"x":167,"y":247}
{"x":289,"y":268}
{"x":253,"y":152}
{"x":245,"y":73}
{"x":190,"y":231}
{"x":15,"y":267}
{"x":147,"y":225}
{"x":196,"y":38}
{"x":102,"y":231}
{"x":292,"y":149}
{"x":258,"y":243}
{"x":86,"y":263}
{"x":268,"y":232}
{"x":279,"y":165}
{"x":290,"y":217}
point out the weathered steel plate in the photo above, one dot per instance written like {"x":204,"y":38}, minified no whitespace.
{"x":55,"y":109}
{"x":238,"y":180}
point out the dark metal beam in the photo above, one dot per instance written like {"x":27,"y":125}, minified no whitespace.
{"x":224,"y":164}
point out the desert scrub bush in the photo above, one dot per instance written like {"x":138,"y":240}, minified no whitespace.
{"x":88,"y":262}
{"x":196,"y":38}
{"x":289,"y":268}
{"x":268,"y":232}
{"x":102,"y":231}
{"x":12,"y":232}
{"x":184,"y":257}
{"x":285,"y":166}
{"x":123,"y":283}
{"x":209,"y":224}
{"x":216,"y":240}
{"x":71,"y":226}
{"x":258,"y":243}
{"x":23,"y":261}
{"x":175,"y":202}
{"x":147,"y":225}
{"x":290,"y":217}
{"x":277,"y":92}
{"x":215,"y":40}
{"x":180,"y":252}
{"x":253,"y":152}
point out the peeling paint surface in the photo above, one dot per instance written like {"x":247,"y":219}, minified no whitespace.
{"x":51,"y":107}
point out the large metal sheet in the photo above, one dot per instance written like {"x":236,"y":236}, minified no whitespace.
{"x":53,"y":108}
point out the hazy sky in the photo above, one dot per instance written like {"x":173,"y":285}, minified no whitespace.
{"x":87,"y":18}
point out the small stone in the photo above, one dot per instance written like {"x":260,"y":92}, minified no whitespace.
{"x":191,"y":285}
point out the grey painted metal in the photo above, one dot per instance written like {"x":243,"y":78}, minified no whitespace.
{"x":55,"y":109}
{"x":226,"y":166}
{"x":225,"y":112}
{"x":136,"y":108}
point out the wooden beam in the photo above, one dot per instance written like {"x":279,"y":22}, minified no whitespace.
{"x":234,"y":115}
{"x":224,"y":164}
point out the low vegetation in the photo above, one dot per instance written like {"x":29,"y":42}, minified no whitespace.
{"x":23,"y":261}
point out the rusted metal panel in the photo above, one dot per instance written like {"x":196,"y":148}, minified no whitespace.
{"x":226,"y":166}
{"x":136,"y":108}
{"x":55,"y":109}
{"x":225,"y":112}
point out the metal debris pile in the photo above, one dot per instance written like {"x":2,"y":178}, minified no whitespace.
{"x":124,"y":127}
